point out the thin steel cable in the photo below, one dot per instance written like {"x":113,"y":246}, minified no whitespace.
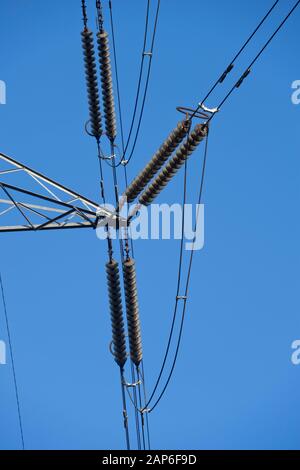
{"x":140,"y":78}
{"x":116,"y":74}
{"x":259,"y":54}
{"x":140,"y":407}
{"x":136,"y":410}
{"x":110,"y":252}
{"x":231,"y":64}
{"x":146,"y":86}
{"x":126,"y":184}
{"x":125,"y":416}
{"x":102,"y":186}
{"x":119,"y":98}
{"x":179,"y":275}
{"x":199,"y":202}
{"x":187,"y":281}
{"x":116,"y":192}
{"x":12,"y":363}
{"x":145,"y":401}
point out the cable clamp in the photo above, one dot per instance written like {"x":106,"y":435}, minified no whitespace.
{"x":208,"y":110}
{"x":226,"y":72}
{"x":245,"y":75}
{"x":145,"y":410}
{"x":132,"y":385}
{"x":108,"y":157}
{"x":125,"y":418}
{"x":124,"y":162}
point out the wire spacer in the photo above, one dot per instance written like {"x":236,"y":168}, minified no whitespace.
{"x":208,"y":110}
{"x":132,"y":385}
{"x":181,"y":297}
{"x":149,"y":54}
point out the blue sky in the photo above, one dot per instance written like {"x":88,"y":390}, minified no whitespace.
{"x":235,"y":386}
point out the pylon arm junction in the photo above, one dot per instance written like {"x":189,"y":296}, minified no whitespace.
{"x":54,"y":206}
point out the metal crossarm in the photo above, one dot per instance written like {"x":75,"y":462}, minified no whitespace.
{"x":58,"y":208}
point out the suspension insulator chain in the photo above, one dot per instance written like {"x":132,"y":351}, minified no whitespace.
{"x":92,"y":82}
{"x":171,"y":168}
{"x":107,"y":85}
{"x":132,"y":311}
{"x":157,"y":161}
{"x":116,"y":311}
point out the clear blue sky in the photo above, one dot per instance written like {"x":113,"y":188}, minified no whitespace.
{"x":235,"y":386}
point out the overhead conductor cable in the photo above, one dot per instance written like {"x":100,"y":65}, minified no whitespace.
{"x":158,"y":160}
{"x":174,"y":164}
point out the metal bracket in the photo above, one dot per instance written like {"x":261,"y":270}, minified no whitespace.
{"x":106,"y":217}
{"x":132,"y":385}
{"x":208,"y":110}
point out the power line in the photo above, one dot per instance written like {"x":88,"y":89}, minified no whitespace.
{"x":231,"y":64}
{"x":146,"y":85}
{"x":185,"y":298}
{"x":119,"y":97}
{"x":237,"y":85}
{"x":179,"y":274}
{"x":116,"y":74}
{"x":108,"y":102}
{"x":248,"y":69}
{"x":125,"y":417}
{"x":135,"y":405}
{"x":107,"y":94}
{"x":187,"y":280}
{"x":12,"y":363}
{"x":145,"y":401}
{"x":132,"y":247}
{"x":139,"y":79}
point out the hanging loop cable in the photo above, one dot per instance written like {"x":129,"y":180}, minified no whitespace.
{"x":12,"y":363}
{"x":127,"y":248}
{"x":125,"y":415}
{"x":179,"y":275}
{"x":150,"y":54}
{"x":186,"y":290}
{"x":116,"y":74}
{"x":139,"y":80}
